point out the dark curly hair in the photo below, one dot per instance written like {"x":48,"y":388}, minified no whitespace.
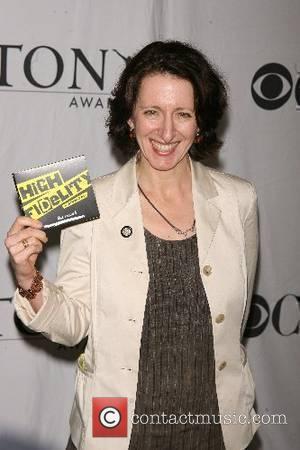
{"x":181,"y":60}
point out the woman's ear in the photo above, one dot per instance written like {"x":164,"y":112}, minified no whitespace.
{"x":130,"y":124}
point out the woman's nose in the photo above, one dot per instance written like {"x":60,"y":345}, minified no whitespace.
{"x":167,"y":129}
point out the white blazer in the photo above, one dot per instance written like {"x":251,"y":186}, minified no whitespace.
{"x":101,"y":290}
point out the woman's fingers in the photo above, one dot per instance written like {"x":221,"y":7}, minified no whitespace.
{"x":23,"y":255}
{"x":23,"y":221}
{"x":24,"y":244}
{"x":25,"y":234}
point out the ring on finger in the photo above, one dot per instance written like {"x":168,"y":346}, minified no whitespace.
{"x":25,"y":243}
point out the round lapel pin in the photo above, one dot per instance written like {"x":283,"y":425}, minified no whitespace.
{"x":126,"y":231}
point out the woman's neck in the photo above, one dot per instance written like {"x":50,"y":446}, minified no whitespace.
{"x":164,"y":183}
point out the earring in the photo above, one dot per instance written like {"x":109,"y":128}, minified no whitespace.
{"x":132,"y":133}
{"x":198,"y":138}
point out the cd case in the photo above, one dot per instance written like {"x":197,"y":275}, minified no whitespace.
{"x":58,"y":193}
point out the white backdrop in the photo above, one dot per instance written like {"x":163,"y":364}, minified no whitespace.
{"x":53,"y":107}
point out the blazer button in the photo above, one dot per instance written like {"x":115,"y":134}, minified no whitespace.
{"x":126,"y":231}
{"x":220,"y":318}
{"x":222,"y":365}
{"x":207,"y":270}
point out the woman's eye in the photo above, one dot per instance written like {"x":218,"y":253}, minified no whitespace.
{"x":150,"y":112}
{"x":185,"y":115}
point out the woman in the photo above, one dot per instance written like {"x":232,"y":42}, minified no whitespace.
{"x":162,"y":282}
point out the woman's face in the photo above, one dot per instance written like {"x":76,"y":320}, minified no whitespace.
{"x":164,"y":120}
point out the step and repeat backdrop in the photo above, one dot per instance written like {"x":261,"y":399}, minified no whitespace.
{"x":59,"y":60}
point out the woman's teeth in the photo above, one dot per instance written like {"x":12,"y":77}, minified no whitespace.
{"x":164,"y":148}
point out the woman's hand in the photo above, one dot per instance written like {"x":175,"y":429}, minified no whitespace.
{"x":24,"y":242}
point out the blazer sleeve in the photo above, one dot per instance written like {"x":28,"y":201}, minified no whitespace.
{"x":65,"y":314}
{"x":251,"y":239}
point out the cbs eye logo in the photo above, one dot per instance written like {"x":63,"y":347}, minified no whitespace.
{"x":272,"y":87}
{"x":284,"y":317}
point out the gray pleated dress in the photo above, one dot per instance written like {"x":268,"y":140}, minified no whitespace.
{"x":176,"y":366}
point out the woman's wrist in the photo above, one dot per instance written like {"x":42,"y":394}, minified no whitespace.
{"x":25,"y":282}
{"x":25,"y":276}
{"x":29,"y":288}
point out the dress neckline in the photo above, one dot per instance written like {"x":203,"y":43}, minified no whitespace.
{"x":169,"y":240}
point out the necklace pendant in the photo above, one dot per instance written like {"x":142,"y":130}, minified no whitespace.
{"x":176,"y":229}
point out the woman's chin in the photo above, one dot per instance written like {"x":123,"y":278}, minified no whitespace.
{"x":165,"y":163}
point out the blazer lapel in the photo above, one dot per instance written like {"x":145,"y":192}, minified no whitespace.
{"x":126,"y":212}
{"x":206,"y":207}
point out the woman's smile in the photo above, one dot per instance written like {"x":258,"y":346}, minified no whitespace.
{"x":163,"y":149}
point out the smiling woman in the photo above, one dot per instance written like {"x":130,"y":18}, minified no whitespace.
{"x":184,"y":62}
{"x":165,"y":126}
{"x":164,"y":120}
{"x":161,"y":282}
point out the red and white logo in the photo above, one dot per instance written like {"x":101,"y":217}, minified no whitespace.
{"x":110,"y":417}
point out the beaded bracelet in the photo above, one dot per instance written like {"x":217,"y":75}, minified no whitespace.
{"x":35,"y":288}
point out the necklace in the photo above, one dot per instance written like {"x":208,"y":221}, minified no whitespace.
{"x":178,"y":230}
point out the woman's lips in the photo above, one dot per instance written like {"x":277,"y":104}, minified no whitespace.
{"x":164,"y":149}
